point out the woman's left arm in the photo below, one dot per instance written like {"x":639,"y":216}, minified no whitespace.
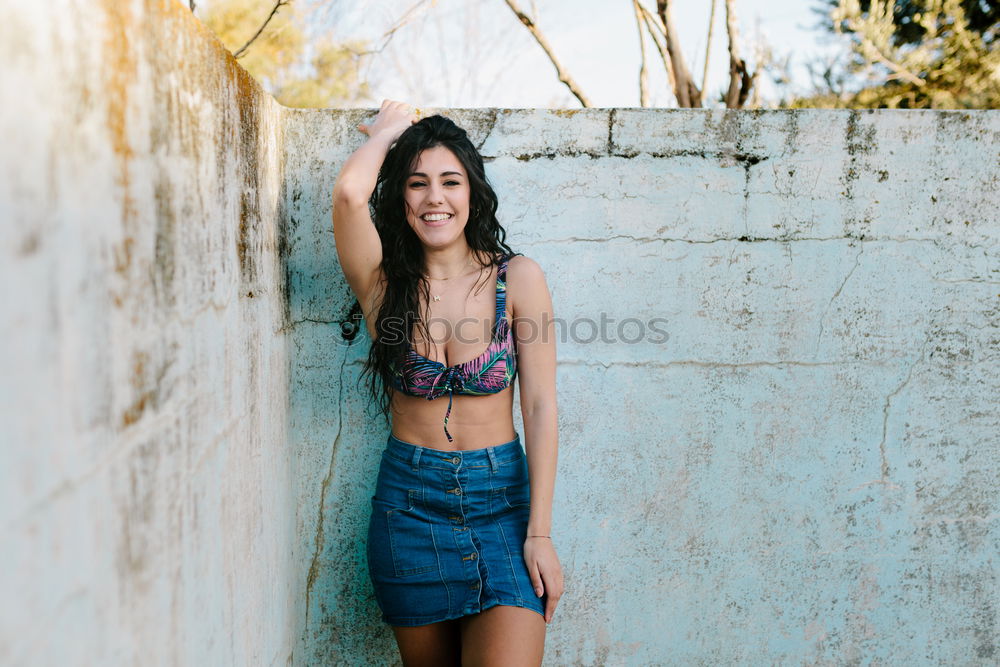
{"x":534,"y":331}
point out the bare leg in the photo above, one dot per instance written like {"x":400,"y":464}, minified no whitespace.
{"x":432,"y":645}
{"x":503,"y":637}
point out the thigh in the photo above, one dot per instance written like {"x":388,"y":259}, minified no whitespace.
{"x":503,"y":636}
{"x":431,"y":645}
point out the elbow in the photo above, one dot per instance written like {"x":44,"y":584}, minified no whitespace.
{"x":347,"y":196}
{"x":539,"y":408}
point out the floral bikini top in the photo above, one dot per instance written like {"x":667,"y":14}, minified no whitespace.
{"x":489,"y":373}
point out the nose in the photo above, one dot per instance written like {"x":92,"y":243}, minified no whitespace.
{"x":435,"y":193}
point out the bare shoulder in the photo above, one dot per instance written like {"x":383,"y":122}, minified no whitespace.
{"x":525,"y":273}
{"x":527,"y":290}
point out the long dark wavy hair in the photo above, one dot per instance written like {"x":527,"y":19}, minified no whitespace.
{"x":403,"y":266}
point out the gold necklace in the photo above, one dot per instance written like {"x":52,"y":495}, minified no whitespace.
{"x":437,"y":297}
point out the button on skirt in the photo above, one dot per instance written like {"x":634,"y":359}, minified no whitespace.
{"x":447,"y":530}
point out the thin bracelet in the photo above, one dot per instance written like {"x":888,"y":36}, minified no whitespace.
{"x":548,"y":537}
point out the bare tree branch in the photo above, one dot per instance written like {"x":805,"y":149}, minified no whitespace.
{"x":761,"y":57}
{"x":900,"y":71}
{"x":544,"y":43}
{"x":654,"y":28}
{"x":687,"y":92}
{"x":740,"y":80}
{"x":708,"y":44}
{"x":643,"y":79}
{"x":274,"y":10}
{"x":868,"y":32}
{"x":410,"y":14}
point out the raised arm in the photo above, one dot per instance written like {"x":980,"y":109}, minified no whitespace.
{"x":358,"y":246}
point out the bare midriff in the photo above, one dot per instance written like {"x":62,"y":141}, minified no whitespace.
{"x":476,"y":421}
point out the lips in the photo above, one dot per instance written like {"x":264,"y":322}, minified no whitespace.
{"x":436,"y":219}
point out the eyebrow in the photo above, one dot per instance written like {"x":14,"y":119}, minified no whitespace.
{"x":443,"y":173}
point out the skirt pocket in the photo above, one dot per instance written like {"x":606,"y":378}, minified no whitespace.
{"x":517,"y":496}
{"x":517,"y":491}
{"x":402,"y":537}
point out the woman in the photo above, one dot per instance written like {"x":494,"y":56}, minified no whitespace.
{"x":459,"y":546}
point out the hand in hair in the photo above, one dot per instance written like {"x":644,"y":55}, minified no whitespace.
{"x":392,"y":118}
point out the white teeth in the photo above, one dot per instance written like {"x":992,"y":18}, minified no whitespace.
{"x":433,"y":217}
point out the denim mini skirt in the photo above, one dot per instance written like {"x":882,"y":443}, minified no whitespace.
{"x":447,"y":530}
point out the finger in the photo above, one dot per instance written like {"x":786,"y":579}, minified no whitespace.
{"x":536,"y":580}
{"x":363,"y":128}
{"x":555,"y":590}
{"x":550,"y":608}
{"x":553,"y":581}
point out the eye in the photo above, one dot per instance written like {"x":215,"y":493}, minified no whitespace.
{"x":452,"y":183}
{"x":417,"y":184}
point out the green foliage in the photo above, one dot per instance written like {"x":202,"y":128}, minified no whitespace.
{"x":919,"y":54}
{"x":298,"y":69}
{"x":982,"y":17}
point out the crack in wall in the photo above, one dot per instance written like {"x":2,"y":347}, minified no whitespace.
{"x":822,"y":318}
{"x":746,"y":239}
{"x":303,"y":320}
{"x":975,"y":518}
{"x":611,"y":127}
{"x":726,"y":158}
{"x":886,"y":405}
{"x":489,"y":129}
{"x":314,"y":565}
{"x":932,"y":276}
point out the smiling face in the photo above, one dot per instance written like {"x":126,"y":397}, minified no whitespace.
{"x":437,"y":198}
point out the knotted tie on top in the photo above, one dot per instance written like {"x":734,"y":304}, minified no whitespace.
{"x":449,"y":381}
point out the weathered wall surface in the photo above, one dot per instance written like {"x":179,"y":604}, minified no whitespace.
{"x":144,"y":478}
{"x":804,"y":472}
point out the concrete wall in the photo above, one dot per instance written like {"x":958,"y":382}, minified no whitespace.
{"x":803,"y":472}
{"x":144,"y":479}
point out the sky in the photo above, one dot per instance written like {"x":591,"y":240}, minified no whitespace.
{"x":475,"y":53}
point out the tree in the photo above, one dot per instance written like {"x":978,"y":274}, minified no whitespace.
{"x":930,"y":54}
{"x":982,"y":17}
{"x":660,"y":28}
{"x":298,"y":69}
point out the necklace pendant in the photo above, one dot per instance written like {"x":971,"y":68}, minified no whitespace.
{"x":437,"y":298}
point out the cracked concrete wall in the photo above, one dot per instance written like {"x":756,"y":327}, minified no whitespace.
{"x":804,"y":471}
{"x":144,"y":479}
